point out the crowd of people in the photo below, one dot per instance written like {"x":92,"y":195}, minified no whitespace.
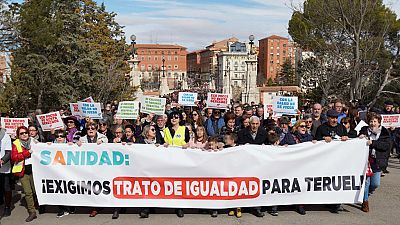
{"x":201,"y":128}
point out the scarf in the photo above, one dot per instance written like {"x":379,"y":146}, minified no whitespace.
{"x":71,"y":132}
{"x":148,"y":141}
{"x":374,"y":133}
{"x":89,"y":140}
{"x":26,"y":144}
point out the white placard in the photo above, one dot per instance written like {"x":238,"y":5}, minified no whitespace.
{"x":50,"y":121}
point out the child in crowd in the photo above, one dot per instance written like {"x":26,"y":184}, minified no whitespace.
{"x":230,"y":140}
{"x":213,"y":145}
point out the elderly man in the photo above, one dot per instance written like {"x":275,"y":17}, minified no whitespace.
{"x":254,"y":134}
{"x":338,"y":107}
{"x":317,"y":118}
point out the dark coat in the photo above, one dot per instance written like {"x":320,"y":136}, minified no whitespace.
{"x":244,"y":137}
{"x":382,"y":149}
{"x":325,"y":131}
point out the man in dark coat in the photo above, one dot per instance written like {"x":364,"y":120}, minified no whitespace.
{"x":255,"y":134}
{"x":331,"y":129}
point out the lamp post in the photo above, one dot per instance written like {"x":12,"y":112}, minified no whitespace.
{"x":248,"y":83}
{"x":133,"y":42}
{"x":163,"y":67}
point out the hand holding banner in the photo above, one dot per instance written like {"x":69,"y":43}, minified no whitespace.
{"x":50,"y":121}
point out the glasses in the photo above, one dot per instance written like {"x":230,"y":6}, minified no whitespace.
{"x":22,"y":133}
{"x":302,"y":126}
{"x":103,"y":124}
{"x":195,"y":114}
{"x":91,"y":128}
{"x":70,"y":121}
{"x":153,"y":129}
{"x":175,"y":117}
{"x":60,"y":136}
{"x":309,"y":121}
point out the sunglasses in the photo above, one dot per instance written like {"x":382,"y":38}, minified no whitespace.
{"x":302,"y":126}
{"x":22,"y":133}
{"x":309,"y":121}
{"x":153,"y":129}
{"x":345,"y":123}
{"x":175,"y":117}
{"x":195,"y":114}
{"x":91,"y":128}
{"x":70,"y":121}
{"x":60,"y":136}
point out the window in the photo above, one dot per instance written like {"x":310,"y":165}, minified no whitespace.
{"x":149,"y":67}
{"x":169,"y":58}
{"x":235,"y":83}
{"x":155,"y":58}
{"x":169,"y":67}
{"x":175,"y":66}
{"x":149,"y":58}
{"x":272,"y":47}
{"x":142,"y":67}
{"x":176,"y":58}
{"x":272,"y":61}
{"x":142,"y":58}
{"x":156,"y":67}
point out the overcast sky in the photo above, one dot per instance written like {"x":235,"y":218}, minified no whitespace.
{"x":197,"y":23}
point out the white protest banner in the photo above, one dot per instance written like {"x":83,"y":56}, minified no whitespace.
{"x":187,"y":98}
{"x":74,"y":107}
{"x":390,"y":120}
{"x":128,"y":110}
{"x":88,"y":99}
{"x":11,"y":124}
{"x":153,"y":105}
{"x":285,"y":104}
{"x":140,"y":175}
{"x":91,"y":110}
{"x":50,"y":121}
{"x":217,"y":101}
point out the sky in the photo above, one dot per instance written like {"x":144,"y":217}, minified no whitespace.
{"x":197,"y":23}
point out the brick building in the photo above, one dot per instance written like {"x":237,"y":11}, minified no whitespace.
{"x":151,"y":57}
{"x":273,"y":51}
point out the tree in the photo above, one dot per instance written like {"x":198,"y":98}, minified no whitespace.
{"x":287,"y":75}
{"x":67,"y":50}
{"x":356,"y":33}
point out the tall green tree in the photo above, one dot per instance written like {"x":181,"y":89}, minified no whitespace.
{"x":286,"y":75}
{"x":68,"y":50}
{"x":356,"y":34}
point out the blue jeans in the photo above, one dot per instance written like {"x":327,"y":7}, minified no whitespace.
{"x":371,"y":184}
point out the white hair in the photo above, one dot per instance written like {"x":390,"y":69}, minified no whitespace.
{"x":254,"y":118}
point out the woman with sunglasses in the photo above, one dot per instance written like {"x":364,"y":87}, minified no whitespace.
{"x":196,"y":119}
{"x":176,"y":134}
{"x":21,"y":158}
{"x":92,"y":136}
{"x":73,"y":129}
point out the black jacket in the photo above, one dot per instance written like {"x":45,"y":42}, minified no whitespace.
{"x":326,"y":130}
{"x":382,"y":148}
{"x":244,"y":137}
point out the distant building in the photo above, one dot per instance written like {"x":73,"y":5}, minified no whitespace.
{"x":151,"y":68}
{"x":202,"y":64}
{"x":273,"y":51}
{"x":5,"y":70}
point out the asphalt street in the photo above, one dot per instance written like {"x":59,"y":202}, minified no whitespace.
{"x":384,"y":209}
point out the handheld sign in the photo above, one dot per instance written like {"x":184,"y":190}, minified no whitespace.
{"x":50,"y":121}
{"x":153,"y":105}
{"x":88,"y":99}
{"x":285,"y":104}
{"x":74,"y":107}
{"x":187,"y":98}
{"x":217,"y":101}
{"x":391,"y":120}
{"x":128,"y":110}
{"x":91,"y":110}
{"x":11,"y":124}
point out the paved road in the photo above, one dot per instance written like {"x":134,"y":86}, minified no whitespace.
{"x":384,"y":206}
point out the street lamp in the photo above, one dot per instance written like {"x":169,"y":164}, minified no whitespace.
{"x":163,"y":67}
{"x":133,"y":42}
{"x":248,"y":83}
{"x":251,"y":38}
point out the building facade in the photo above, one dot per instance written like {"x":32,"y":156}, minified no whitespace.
{"x":203,"y":64}
{"x":161,"y":60}
{"x":237,"y":72}
{"x":5,"y":70}
{"x":273,"y":52}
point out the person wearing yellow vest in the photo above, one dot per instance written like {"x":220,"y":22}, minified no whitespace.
{"x":22,"y":168}
{"x":175,"y":134}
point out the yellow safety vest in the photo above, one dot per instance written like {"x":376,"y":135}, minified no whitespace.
{"x":17,"y":167}
{"x":178,"y":139}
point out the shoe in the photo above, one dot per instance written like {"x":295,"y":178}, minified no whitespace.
{"x":274,"y":213}
{"x":179,"y":213}
{"x":258,"y":213}
{"x":214,"y":213}
{"x":42,"y":209}
{"x":335,"y":209}
{"x":383,"y":174}
{"x":144,"y":213}
{"x":31,"y":217}
{"x":239,"y":212}
{"x":72,"y":210}
{"x":115,"y":215}
{"x":385,"y":171}
{"x":301,"y":210}
{"x":62,"y":213}
{"x":6,"y":212}
{"x":93,"y":213}
{"x":231,"y":213}
{"x":365,"y":206}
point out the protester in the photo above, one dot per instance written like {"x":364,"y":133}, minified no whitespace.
{"x":105,"y":130}
{"x":22,"y":168}
{"x":379,"y":146}
{"x":317,"y":117}
{"x":215,"y":123}
{"x":200,"y":140}
{"x":5,"y":172}
{"x":73,"y":129}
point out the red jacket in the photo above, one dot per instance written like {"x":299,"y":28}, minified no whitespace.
{"x":19,"y":156}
